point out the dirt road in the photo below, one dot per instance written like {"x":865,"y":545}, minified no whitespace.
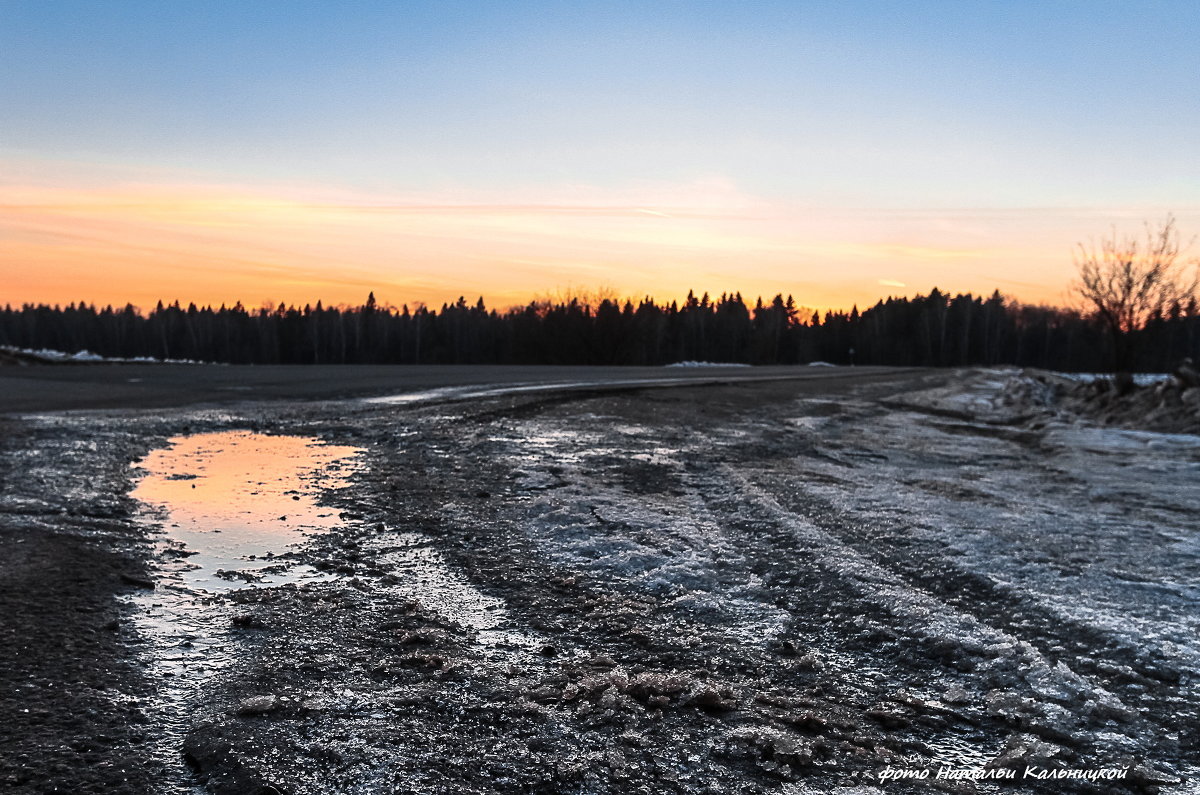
{"x":127,"y":386}
{"x":889,"y":581}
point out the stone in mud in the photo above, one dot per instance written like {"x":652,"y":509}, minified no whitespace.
{"x":586,"y":687}
{"x":258,"y":705}
{"x":543,"y":695}
{"x":1009,"y":705}
{"x":807,"y":721}
{"x":1145,"y":778}
{"x":888,"y":718}
{"x":613,"y":700}
{"x":1106,"y":706}
{"x":1055,"y":684}
{"x":810,"y":662}
{"x":136,"y":581}
{"x":247,"y":621}
{"x":315,"y":704}
{"x":102,"y":509}
{"x":774,"y":746}
{"x":1164,"y":671}
{"x":1022,"y":750}
{"x":710,"y":698}
{"x":223,"y":766}
{"x":1121,"y":673}
{"x":956,"y":695}
{"x":427,"y":661}
{"x":423,"y":636}
{"x":999,"y":650}
{"x":773,"y":700}
{"x":645,"y":686}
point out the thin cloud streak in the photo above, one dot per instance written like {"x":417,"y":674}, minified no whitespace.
{"x":398,"y":209}
{"x":304,"y":244}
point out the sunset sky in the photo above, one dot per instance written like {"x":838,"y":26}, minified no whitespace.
{"x":838,"y":151}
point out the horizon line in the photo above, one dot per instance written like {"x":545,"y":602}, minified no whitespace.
{"x":561,"y":298}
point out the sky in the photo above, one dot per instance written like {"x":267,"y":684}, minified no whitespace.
{"x":840,"y":152}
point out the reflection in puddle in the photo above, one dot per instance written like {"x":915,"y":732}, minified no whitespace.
{"x":230,"y":503}
{"x":237,"y":500}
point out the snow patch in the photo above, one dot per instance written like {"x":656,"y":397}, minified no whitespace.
{"x":1141,"y":379}
{"x":85,"y":356}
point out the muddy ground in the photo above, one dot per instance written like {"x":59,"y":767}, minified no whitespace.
{"x":805,"y":586}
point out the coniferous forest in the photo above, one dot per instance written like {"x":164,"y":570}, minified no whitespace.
{"x":929,"y":330}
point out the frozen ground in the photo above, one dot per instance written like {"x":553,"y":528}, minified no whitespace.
{"x":811,"y":586}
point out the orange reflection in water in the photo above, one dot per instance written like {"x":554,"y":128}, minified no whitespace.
{"x":236,"y":497}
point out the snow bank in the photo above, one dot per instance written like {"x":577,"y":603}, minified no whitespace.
{"x":49,"y":356}
{"x":1141,"y":379}
{"x":1009,"y":396}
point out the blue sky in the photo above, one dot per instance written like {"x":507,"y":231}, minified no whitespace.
{"x":1082,"y":111}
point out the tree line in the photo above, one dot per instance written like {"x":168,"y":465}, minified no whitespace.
{"x":926,"y":330}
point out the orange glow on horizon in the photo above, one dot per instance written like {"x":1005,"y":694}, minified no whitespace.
{"x":213,"y":245}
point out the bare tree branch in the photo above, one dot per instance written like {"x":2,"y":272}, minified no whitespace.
{"x":1128,"y":281}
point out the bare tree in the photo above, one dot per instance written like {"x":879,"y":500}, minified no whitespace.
{"x":1129,"y":281}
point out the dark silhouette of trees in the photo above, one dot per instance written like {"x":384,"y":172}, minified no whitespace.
{"x":1130,"y":284}
{"x":937,"y":330}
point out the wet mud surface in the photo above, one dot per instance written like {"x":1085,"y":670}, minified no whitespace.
{"x":794,"y":587}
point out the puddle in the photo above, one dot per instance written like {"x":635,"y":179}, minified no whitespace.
{"x":236,"y":501}
{"x":231,"y":506}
